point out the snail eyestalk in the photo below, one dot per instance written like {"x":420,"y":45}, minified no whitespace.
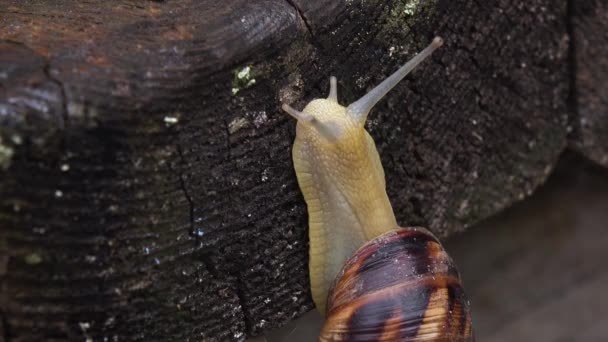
{"x":359,"y":109}
{"x":301,"y":117}
{"x":329,"y":132}
{"x":333,"y":89}
{"x":377,"y":297}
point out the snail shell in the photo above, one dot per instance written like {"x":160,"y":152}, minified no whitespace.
{"x":401,"y":286}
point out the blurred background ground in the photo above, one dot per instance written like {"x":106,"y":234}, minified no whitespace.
{"x":536,"y":272}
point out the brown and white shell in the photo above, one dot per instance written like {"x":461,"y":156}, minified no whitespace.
{"x":401,"y":286}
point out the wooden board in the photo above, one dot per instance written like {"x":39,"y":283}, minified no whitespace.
{"x":146,"y":187}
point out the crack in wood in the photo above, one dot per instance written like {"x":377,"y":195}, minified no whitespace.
{"x":302,"y":17}
{"x":63,"y":97}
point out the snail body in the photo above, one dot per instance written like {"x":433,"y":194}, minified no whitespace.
{"x":389,"y":283}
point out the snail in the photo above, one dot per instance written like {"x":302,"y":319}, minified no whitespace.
{"x":374,"y":280}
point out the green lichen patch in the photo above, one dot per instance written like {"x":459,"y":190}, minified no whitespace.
{"x":414,"y":9}
{"x":6,"y":155}
{"x":404,"y":15}
{"x":243,"y":79}
{"x":33,"y":259}
{"x":410,"y":7}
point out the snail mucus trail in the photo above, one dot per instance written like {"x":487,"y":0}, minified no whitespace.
{"x":374,"y":280}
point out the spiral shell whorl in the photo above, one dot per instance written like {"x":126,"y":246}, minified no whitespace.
{"x":401,"y":286}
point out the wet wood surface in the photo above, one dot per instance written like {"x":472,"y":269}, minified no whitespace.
{"x":146,"y":185}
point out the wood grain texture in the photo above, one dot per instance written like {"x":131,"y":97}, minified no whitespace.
{"x":146,"y":186}
{"x":589,"y":25}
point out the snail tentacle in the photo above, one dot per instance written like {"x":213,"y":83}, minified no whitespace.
{"x":359,"y":109}
{"x":329,"y":131}
{"x":333,"y":89}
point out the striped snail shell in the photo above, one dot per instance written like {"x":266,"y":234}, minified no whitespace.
{"x":401,"y":286}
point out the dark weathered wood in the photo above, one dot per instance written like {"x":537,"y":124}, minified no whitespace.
{"x":104,"y":200}
{"x":589,"y":25}
{"x":147,"y":190}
